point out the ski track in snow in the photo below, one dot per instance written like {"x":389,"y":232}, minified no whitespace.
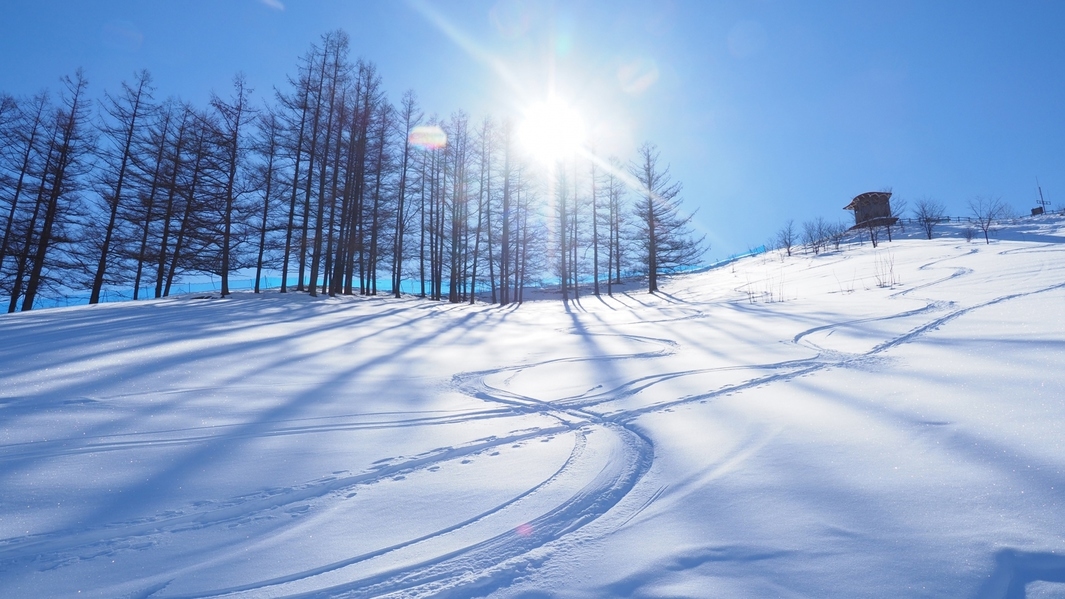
{"x":496,"y":561}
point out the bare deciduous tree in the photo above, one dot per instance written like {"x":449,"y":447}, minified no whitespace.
{"x":928,"y":213}
{"x":898,"y":208}
{"x":815,"y":234}
{"x":986,"y":210}
{"x":786,"y":236}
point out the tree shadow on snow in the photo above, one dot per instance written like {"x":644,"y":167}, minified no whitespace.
{"x":1015,"y":570}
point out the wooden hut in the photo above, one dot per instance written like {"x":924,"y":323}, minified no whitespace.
{"x":872,"y":209}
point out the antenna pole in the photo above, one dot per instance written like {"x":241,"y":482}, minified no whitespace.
{"x":1042,"y":202}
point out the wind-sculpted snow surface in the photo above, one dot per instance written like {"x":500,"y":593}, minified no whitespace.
{"x":864,"y":423}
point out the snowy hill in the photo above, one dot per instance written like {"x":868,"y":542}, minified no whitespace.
{"x":859,"y":423}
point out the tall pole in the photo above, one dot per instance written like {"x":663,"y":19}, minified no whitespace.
{"x":1042,"y":202}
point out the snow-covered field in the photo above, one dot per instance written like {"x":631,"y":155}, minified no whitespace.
{"x":863,"y":423}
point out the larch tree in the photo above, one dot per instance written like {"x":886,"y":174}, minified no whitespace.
{"x":616,"y":223}
{"x":594,"y":199}
{"x":193,"y":190}
{"x":506,"y":211}
{"x":73,"y":146}
{"x":665,"y":234}
{"x":124,"y":115}
{"x":378,"y":206}
{"x":268,"y":174}
{"x":562,"y":213}
{"x":174,"y":170}
{"x":231,"y":118}
{"x":327,"y":186}
{"x":152,"y":177}
{"x":316,"y":82}
{"x":409,"y":118}
{"x":484,"y":161}
{"x":22,"y":133}
{"x":335,"y":71}
{"x":295,"y":109}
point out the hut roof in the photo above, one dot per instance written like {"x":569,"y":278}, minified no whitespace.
{"x":868,"y":197}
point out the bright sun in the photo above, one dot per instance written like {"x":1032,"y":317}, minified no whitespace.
{"x":551,"y":130}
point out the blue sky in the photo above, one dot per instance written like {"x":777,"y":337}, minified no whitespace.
{"x":764,"y":110}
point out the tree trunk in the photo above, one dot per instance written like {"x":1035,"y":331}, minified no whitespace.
{"x":150,"y":208}
{"x":116,"y":199}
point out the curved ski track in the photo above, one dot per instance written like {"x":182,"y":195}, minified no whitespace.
{"x":493,"y":562}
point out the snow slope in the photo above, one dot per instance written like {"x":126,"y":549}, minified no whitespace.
{"x":861,"y":423}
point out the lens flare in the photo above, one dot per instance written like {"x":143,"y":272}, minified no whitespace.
{"x":429,"y":137}
{"x":524,"y":530}
{"x":511,"y":18}
{"x":636,"y":76}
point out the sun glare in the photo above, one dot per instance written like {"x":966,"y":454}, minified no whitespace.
{"x":551,"y":130}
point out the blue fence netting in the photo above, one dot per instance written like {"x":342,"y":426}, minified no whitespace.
{"x":213,"y":284}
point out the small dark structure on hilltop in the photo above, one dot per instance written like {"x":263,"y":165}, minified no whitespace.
{"x":872,"y":209}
